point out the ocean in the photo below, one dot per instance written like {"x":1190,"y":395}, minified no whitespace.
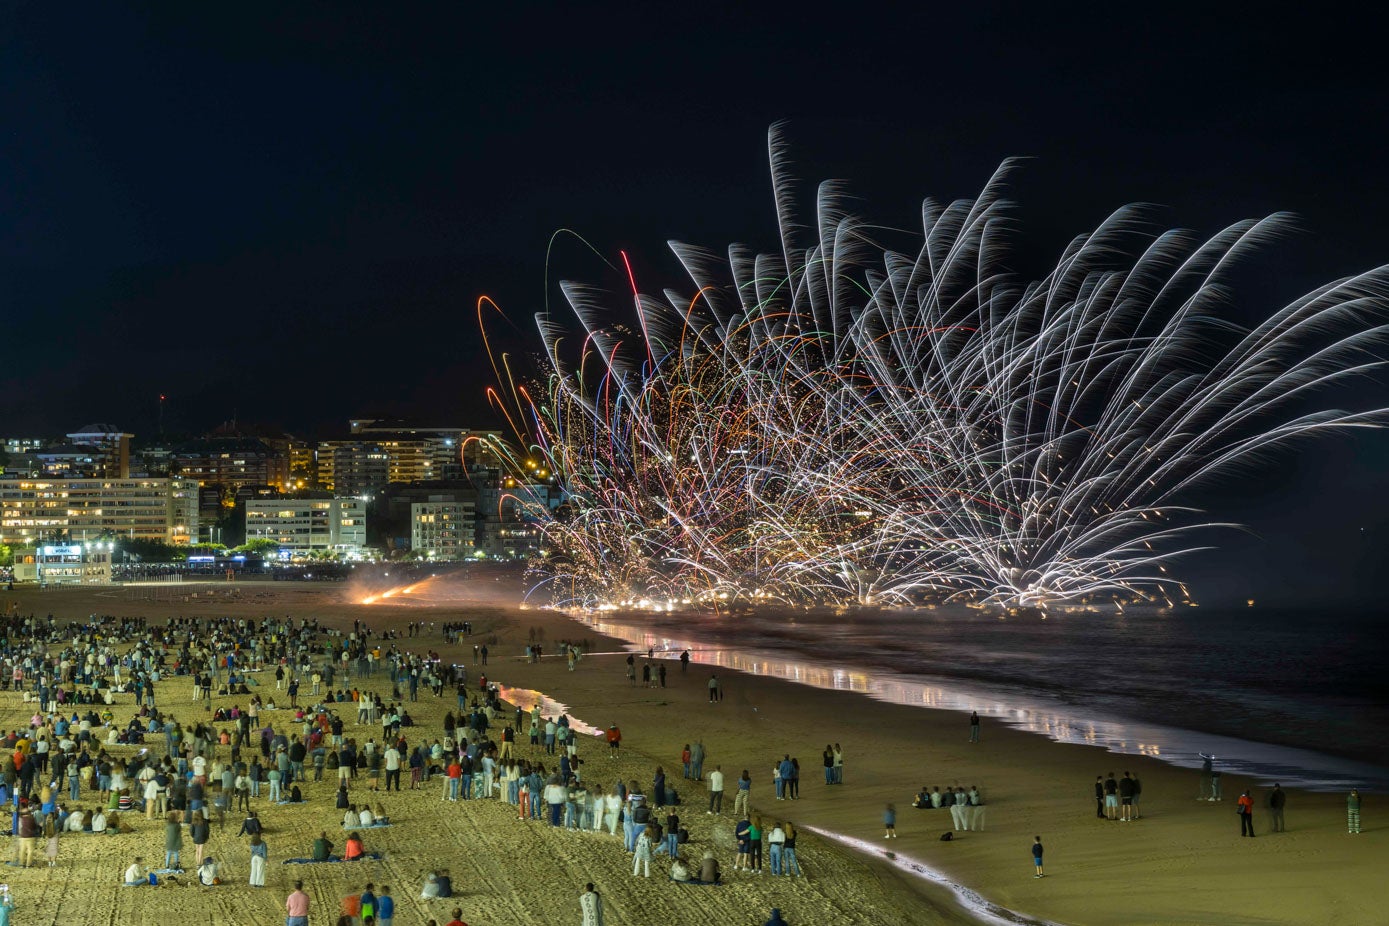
{"x":1298,"y":697}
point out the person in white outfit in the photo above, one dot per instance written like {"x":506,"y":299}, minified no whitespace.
{"x":259,"y":852}
{"x":591,"y":905}
{"x":643,"y":854}
{"x":958,"y":813}
{"x":612,"y":806}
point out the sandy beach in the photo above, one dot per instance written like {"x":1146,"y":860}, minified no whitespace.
{"x":1183,"y":862}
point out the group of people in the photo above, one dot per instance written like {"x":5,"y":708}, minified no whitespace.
{"x":1118,"y":799}
{"x":966,"y":807}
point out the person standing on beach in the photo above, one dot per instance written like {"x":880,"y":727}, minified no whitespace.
{"x":1126,"y":798}
{"x":591,"y":906}
{"x":838,"y":765}
{"x":959,"y":810}
{"x":614,"y":736}
{"x":716,"y":790}
{"x":1353,"y":812}
{"x":697,"y":760}
{"x":643,"y":851}
{"x":1037,"y":856}
{"x":1206,"y":793}
{"x":297,"y":906}
{"x":1277,"y":798}
{"x":713,"y":688}
{"x":743,"y":860}
{"x":1099,"y":796}
{"x":828,"y":757}
{"x":740,"y":800}
{"x":684,"y":662}
{"x":974,"y":726}
{"x":889,"y":824}
{"x":385,"y":907}
{"x":1245,"y":809}
{"x":259,"y":855}
{"x":1111,"y":798}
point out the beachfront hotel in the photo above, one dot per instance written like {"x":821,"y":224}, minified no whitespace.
{"x":35,"y":509}
{"x":309,"y":525}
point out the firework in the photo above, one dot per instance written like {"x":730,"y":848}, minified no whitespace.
{"x":844,"y":422}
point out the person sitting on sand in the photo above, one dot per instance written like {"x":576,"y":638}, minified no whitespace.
{"x":354,"y":849}
{"x":445,"y":883}
{"x":322,"y":848}
{"x":135,"y":874}
{"x":366,"y":817}
{"x":431,"y":887}
{"x":351,"y":819}
{"x":776,"y":919}
{"x":381,"y":818}
{"x":709,"y":868}
{"x":679,"y":871}
{"x":209,"y":872}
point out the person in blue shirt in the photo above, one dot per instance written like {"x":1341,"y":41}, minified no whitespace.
{"x":385,"y":907}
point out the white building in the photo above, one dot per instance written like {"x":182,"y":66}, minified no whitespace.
{"x":35,"y":509}
{"x":442,"y":530}
{"x":305,"y":525}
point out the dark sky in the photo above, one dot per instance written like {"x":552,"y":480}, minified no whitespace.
{"x":286,"y":212}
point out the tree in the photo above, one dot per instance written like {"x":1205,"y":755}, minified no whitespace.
{"x":260,"y":545}
{"x":150,"y":551}
{"x":6,"y":554}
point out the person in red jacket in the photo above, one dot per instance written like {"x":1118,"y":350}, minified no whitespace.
{"x":1245,"y":809}
{"x":614,"y":740}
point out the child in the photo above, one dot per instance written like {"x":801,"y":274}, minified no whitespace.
{"x":890,"y":822}
{"x":1037,"y":855}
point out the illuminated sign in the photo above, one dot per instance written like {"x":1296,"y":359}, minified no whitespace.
{"x":62,"y":551}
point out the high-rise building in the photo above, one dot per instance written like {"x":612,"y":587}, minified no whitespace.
{"x":38,"y":509}
{"x":112,"y":447}
{"x":442,"y":530}
{"x":227,"y":464}
{"x":305,"y":525}
{"x":353,"y":467}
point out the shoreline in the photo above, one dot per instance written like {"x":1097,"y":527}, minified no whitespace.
{"x":1184,"y":877}
{"x":1180,"y":747}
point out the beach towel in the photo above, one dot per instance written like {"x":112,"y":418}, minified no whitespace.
{"x":374,"y":826}
{"x":308,"y":861}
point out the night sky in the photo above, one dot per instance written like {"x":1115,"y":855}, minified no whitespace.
{"x":287,"y":215}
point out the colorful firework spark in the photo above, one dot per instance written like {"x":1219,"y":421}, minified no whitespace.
{"x":842,"y":422}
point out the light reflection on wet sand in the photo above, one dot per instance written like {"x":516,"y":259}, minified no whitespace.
{"x":1266,"y":762}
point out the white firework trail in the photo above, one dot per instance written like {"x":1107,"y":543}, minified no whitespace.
{"x":843,"y":423}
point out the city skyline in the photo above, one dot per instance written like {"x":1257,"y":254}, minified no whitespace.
{"x":292,"y":223}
